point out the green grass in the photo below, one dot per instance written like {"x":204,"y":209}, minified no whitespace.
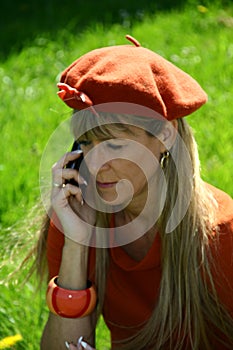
{"x":198,"y":40}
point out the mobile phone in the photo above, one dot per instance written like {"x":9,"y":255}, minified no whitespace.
{"x":75,"y":164}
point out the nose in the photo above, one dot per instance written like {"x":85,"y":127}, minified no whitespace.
{"x":96,"y":158}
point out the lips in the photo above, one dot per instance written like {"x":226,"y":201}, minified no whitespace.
{"x":106,"y":184}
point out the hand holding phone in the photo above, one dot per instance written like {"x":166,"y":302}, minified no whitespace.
{"x":73,"y":198}
{"x":76,"y":165}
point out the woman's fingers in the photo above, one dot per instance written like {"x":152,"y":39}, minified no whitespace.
{"x":61,"y":194}
{"x":81,"y":345}
{"x":72,"y":347}
{"x":61,"y":174}
{"x":67,"y":200}
{"x":86,"y":346}
{"x":68,"y":157}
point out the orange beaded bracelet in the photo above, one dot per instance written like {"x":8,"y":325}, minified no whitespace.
{"x":70,"y":303}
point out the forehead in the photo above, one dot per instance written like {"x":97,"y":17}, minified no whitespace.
{"x":108,"y":131}
{"x":113,"y":125}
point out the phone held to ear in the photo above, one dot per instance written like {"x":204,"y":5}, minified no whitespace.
{"x":76,"y":164}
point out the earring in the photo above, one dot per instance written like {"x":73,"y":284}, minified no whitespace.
{"x":164,"y":159}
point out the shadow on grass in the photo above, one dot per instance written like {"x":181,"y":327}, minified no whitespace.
{"x":23,"y":20}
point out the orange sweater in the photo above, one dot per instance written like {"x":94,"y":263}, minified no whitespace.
{"x":133,"y":287}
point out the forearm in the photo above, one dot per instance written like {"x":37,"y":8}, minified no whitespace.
{"x":73,"y":269}
{"x":72,"y":275}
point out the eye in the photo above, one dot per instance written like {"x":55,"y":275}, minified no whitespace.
{"x":84,"y":143}
{"x":115,"y":144}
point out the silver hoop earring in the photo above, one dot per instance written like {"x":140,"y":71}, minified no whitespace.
{"x":164,"y":159}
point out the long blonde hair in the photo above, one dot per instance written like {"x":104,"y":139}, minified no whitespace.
{"x":187,"y":306}
{"x":188,"y":309}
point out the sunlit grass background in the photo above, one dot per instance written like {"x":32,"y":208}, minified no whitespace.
{"x":196,"y":37}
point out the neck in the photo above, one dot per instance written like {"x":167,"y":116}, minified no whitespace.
{"x":139,"y":246}
{"x":144,"y":201}
{"x":141,"y":215}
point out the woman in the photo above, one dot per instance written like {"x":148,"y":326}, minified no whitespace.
{"x":138,"y":236}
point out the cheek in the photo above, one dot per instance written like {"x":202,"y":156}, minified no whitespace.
{"x":141,"y":166}
{"x":142,"y":176}
{"x":155,"y":146}
{"x":132,"y":172}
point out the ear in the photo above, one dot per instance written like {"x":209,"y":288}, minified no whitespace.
{"x":168,"y":135}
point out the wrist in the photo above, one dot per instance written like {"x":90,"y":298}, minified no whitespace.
{"x":70,"y":303}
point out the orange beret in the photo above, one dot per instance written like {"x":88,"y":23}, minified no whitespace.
{"x":132,"y":74}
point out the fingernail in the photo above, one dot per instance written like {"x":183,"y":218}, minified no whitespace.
{"x":81,"y":179}
{"x":82,"y":202}
{"x":77,"y":151}
{"x":85,"y":345}
{"x":79,"y":346}
{"x":67,"y":344}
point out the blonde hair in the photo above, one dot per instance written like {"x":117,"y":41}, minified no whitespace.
{"x":188,"y":309}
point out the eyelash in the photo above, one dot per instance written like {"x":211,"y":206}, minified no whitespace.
{"x":86,"y":143}
{"x":113,"y":146}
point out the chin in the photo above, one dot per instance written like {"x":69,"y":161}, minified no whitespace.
{"x":115,"y":201}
